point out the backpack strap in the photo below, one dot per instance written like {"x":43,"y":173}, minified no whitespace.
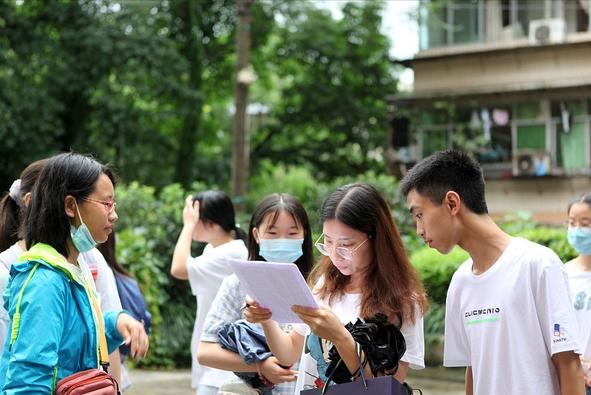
{"x":16,"y":319}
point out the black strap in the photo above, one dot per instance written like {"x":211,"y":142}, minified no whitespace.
{"x":358,"y":351}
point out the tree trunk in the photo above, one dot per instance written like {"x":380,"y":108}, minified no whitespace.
{"x":241,"y":138}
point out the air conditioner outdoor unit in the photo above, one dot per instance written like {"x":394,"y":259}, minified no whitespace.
{"x":546,"y":31}
{"x":532,"y":163}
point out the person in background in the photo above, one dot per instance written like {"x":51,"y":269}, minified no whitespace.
{"x":279,"y":231}
{"x":132,"y":300}
{"x":579,"y":275}
{"x":365,"y":272}
{"x":508,"y":314}
{"x":12,"y":209}
{"x":208,"y":217}
{"x":52,"y":305}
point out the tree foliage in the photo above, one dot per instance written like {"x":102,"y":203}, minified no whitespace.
{"x":148,"y":86}
{"x":333,"y":76}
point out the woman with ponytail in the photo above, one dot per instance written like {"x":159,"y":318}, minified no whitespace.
{"x":208,"y":217}
{"x":12,"y":208}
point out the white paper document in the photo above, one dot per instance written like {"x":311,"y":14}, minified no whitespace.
{"x":275,"y":286}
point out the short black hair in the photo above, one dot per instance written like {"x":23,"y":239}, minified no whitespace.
{"x":66,"y":174}
{"x":449,"y":170}
{"x":217,"y":207}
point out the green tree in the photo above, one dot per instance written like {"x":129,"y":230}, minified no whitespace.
{"x":333,"y":77}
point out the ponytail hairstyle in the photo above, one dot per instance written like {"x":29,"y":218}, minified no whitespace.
{"x":392,"y":286}
{"x":12,"y":205}
{"x":45,"y":219}
{"x":273,"y":205}
{"x":216,"y":207}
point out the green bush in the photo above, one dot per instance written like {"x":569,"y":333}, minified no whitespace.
{"x":436,"y":269}
{"x":553,"y":238}
{"x":149,"y":224}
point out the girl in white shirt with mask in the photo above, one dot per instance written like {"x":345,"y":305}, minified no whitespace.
{"x":279,"y":231}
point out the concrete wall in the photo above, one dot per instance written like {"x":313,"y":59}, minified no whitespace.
{"x":546,"y":198}
{"x":503,"y":69}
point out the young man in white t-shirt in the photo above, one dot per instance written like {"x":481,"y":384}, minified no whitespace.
{"x":509,"y":318}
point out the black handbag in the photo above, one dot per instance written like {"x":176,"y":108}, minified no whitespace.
{"x":382,"y":344}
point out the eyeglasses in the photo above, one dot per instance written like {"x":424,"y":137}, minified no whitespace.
{"x":344,"y":252}
{"x":110,"y":204}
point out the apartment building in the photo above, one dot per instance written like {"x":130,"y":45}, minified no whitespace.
{"x":510,"y":80}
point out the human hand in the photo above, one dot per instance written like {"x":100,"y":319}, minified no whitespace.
{"x":323,"y":322}
{"x":254,"y":313}
{"x":272,"y":371}
{"x":586,"y":374}
{"x":133,"y":334}
{"x":190,"y":212}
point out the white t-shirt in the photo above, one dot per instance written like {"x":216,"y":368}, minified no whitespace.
{"x":347,"y":308}
{"x":104,"y":280}
{"x":507,"y":322}
{"x":580,"y":290}
{"x":7,"y":258}
{"x":206,"y":273}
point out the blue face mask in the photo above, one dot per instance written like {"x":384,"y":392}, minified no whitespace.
{"x":580,"y":239}
{"x":281,"y":250}
{"x":81,"y":237}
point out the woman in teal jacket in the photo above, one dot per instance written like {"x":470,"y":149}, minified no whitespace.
{"x":54,"y":314}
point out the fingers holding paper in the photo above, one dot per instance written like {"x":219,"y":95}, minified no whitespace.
{"x":323,"y":322}
{"x":254,"y":313}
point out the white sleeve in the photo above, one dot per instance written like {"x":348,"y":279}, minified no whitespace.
{"x":415,"y":341}
{"x":555,"y":310}
{"x":301,"y":329}
{"x":225,"y":308}
{"x":207,"y":271}
{"x":106,"y":285}
{"x":456,"y":351}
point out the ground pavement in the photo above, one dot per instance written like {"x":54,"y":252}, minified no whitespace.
{"x":178,"y":382}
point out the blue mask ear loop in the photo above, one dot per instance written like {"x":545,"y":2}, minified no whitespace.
{"x":78,"y":211}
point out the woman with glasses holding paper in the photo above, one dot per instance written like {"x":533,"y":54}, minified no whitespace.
{"x":279,"y":231}
{"x":365,"y":271}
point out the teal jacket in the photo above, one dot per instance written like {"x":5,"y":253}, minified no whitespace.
{"x":52,"y":331}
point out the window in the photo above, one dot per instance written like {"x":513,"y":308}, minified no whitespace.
{"x":529,"y":10}
{"x":569,"y":120}
{"x":452,"y":22}
{"x":531,"y":128}
{"x":456,"y":22}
